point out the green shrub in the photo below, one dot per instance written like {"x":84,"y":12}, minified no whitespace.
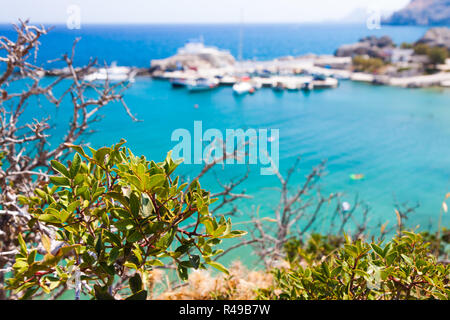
{"x":116,"y":216}
{"x":421,"y":49}
{"x":364,"y":64}
{"x":437,"y":55}
{"x":402,"y":269}
{"x":315,"y":248}
{"x":406,"y":45}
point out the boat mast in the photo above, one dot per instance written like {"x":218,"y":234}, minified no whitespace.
{"x":241,"y":36}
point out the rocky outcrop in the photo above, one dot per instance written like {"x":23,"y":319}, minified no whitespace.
{"x":422,"y":12}
{"x":436,"y":37}
{"x":371,"y":46}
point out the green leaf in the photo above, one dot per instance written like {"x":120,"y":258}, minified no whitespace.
{"x":59,"y":167}
{"x":377,"y":250}
{"x":361,"y":273}
{"x":155,"y":262}
{"x":63,"y":215}
{"x":101,"y":153}
{"x":101,"y":293}
{"x":134,"y":237}
{"x":60,"y":181}
{"x":124,"y":225}
{"x":335,"y":272}
{"x":234,"y":234}
{"x":23,"y":246}
{"x":209,"y":224}
{"x":326,"y":269}
{"x":75,"y":166}
{"x":135,"y":283}
{"x":40,"y":193}
{"x":77,"y":149}
{"x":74,"y":205}
{"x":195,"y":261}
{"x":182,"y":272}
{"x":49,"y":218}
{"x":141,"y":295}
{"x":407,"y":259}
{"x":135,"y":205}
{"x":351,"y":250}
{"x":113,"y":255}
{"x":165,"y":241}
{"x":99,"y":244}
{"x":155,"y":180}
{"x":119,"y":197}
{"x":217,"y":266}
{"x":113,"y":238}
{"x":130,"y":265}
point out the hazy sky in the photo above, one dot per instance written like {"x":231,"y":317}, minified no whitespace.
{"x":200,"y":11}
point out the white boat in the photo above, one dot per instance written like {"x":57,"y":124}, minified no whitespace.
{"x":278,"y":86}
{"x":325,"y":83}
{"x":228,"y":80}
{"x":202,"y":84}
{"x":256,"y":84}
{"x":179,"y":82}
{"x":308,"y":86}
{"x":112,"y":74}
{"x":243,"y":87}
{"x":445,"y":83}
{"x":293,"y":86}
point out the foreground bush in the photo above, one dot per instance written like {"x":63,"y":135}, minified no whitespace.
{"x":404,"y":268}
{"x":111,"y":218}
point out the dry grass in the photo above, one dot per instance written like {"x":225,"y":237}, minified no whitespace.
{"x":240,"y":284}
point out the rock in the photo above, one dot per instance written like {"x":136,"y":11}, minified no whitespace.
{"x":436,"y":37}
{"x":422,"y":12}
{"x":371,"y":46}
{"x":381,"y":42}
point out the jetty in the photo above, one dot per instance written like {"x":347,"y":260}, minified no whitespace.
{"x":438,"y":79}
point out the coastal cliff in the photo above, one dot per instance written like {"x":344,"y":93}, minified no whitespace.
{"x":436,"y":37}
{"x":422,"y":12}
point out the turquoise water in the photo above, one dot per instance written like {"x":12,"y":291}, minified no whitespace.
{"x":398,"y":138}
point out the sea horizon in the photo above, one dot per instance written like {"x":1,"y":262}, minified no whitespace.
{"x":137,"y":44}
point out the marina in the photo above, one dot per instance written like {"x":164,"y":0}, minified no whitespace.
{"x":198,"y":67}
{"x":197,"y":61}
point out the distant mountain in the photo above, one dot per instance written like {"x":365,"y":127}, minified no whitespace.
{"x":422,"y":12}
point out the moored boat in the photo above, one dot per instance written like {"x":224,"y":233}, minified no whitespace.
{"x":325,"y":82}
{"x":293,"y":86}
{"x":278,"y":86}
{"x":308,"y":86}
{"x":228,"y":80}
{"x":113,"y":74}
{"x":179,"y":82}
{"x":243,"y":87}
{"x":202,"y":84}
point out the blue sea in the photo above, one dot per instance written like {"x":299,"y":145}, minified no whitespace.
{"x":398,"y":138}
{"x":136,"y":45}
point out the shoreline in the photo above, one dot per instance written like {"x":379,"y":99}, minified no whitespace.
{"x":287,"y":69}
